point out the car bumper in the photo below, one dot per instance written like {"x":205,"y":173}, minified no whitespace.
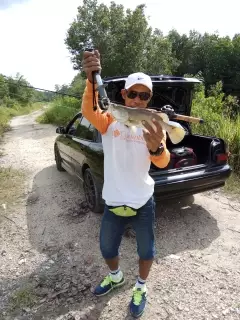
{"x":189,"y":183}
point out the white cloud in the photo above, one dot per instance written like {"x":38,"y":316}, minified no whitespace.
{"x":32,"y":34}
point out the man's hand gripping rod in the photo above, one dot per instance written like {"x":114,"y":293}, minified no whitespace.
{"x":103,"y":101}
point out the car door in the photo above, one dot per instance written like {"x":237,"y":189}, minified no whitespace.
{"x":81,"y":143}
{"x":64,"y":147}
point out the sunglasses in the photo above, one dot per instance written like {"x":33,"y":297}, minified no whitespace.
{"x":144,"y":96}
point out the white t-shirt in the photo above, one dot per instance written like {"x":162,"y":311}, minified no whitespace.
{"x":126,"y":167}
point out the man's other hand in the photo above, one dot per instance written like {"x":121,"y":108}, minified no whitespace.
{"x":153,"y":137}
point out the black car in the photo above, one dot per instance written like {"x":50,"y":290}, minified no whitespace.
{"x":198,"y":163}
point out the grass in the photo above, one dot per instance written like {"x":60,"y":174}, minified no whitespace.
{"x":60,"y":111}
{"x":7,"y":113}
{"x":11,"y":187}
{"x":23,"y":298}
{"x":232,"y":185}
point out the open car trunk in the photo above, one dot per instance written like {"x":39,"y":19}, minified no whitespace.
{"x":195,"y":150}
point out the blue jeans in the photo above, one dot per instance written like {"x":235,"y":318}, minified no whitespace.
{"x":113,"y":226}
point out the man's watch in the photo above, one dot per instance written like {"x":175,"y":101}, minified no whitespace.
{"x":158,"y":152}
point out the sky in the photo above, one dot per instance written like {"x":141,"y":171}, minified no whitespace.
{"x":32,"y":32}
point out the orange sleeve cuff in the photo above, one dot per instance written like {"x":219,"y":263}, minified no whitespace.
{"x":163,"y":159}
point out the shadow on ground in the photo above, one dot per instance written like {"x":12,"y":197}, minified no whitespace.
{"x":69,"y":240}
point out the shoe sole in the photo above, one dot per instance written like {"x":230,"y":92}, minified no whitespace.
{"x":112,"y":288}
{"x":137,"y":316}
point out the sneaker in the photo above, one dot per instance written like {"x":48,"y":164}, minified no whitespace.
{"x":107,"y":285}
{"x":138,"y":302}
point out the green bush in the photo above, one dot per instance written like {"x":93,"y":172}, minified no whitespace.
{"x":220,"y":119}
{"x":61,"y":110}
{"x":4,"y":119}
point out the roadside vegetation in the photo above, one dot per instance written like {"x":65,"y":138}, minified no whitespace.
{"x":222,"y":119}
{"x":16,"y":98}
{"x":64,"y":107}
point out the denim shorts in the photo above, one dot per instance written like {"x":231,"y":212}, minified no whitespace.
{"x":113,"y":226}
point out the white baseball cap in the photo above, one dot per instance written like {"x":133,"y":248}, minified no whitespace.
{"x":138,"y":78}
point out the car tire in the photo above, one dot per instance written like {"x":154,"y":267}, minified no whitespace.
{"x":91,"y":192}
{"x":58,"y":159}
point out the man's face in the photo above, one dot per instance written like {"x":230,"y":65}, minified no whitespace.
{"x":138,"y":96}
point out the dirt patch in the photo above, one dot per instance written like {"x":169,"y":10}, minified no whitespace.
{"x":49,"y":248}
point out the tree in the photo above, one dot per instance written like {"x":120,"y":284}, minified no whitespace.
{"x":77,"y":85}
{"x":126,"y":42}
{"x":4,"y":92}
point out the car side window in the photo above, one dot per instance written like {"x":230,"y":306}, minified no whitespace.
{"x":83,"y":129}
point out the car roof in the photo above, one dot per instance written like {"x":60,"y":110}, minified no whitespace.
{"x":156,"y":78}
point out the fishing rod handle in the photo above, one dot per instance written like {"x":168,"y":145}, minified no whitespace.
{"x":104,"y":100}
{"x":188,"y":119}
{"x":95,"y":74}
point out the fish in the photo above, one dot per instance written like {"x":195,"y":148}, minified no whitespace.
{"x":134,"y":117}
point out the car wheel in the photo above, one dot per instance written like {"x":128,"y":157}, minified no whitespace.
{"x":92,"y":192}
{"x":58,"y":159}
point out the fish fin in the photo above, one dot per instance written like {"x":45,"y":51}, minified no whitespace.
{"x":176,"y":134}
{"x":164,"y":116}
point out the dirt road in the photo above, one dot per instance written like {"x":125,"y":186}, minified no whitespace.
{"x":50,"y":258}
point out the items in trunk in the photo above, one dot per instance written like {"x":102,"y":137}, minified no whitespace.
{"x":182,"y":157}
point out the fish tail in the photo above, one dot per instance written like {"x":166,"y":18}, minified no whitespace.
{"x":175,"y":133}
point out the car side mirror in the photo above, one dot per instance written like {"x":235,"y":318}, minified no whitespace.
{"x":60,"y":130}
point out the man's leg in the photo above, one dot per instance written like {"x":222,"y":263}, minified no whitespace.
{"x":111,"y":232}
{"x":143,"y":224}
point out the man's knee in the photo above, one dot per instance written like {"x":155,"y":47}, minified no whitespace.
{"x":147,"y":251}
{"x":108,"y":250}
{"x":110,"y":235}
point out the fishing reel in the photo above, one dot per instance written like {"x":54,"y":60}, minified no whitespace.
{"x":168,"y":110}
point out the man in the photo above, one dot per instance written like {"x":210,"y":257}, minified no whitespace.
{"x":128,"y":188}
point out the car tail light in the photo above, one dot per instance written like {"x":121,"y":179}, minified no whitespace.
{"x":222,"y":158}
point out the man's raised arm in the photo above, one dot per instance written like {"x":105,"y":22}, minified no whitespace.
{"x":101,"y":121}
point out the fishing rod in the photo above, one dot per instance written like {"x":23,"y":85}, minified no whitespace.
{"x":104,"y":101}
{"x":172,"y":115}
